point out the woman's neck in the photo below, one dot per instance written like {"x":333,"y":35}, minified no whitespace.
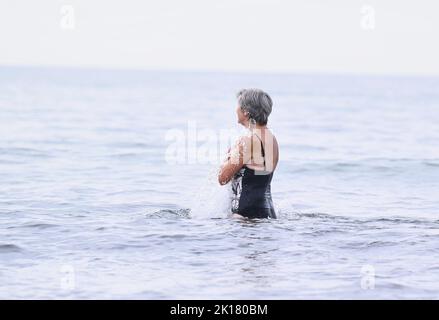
{"x":257,"y":127}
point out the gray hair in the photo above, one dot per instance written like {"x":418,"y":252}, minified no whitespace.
{"x":257,"y":103}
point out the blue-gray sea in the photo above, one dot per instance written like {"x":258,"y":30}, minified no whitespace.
{"x":92,"y":207}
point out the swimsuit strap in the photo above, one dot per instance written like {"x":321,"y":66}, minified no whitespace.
{"x":262,"y":147}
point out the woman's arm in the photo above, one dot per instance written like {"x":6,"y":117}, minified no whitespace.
{"x":234,"y":162}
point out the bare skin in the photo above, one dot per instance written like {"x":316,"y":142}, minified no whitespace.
{"x":240,"y":154}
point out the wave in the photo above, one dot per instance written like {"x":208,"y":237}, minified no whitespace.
{"x":364,"y":165}
{"x":8,"y":248}
{"x":35,"y":226}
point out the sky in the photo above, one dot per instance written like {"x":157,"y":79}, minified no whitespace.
{"x":338,"y":36}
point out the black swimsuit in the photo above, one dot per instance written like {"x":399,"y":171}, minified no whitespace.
{"x":251,"y":191}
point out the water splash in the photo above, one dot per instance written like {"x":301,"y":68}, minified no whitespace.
{"x":211,"y":200}
{"x":285,"y":209}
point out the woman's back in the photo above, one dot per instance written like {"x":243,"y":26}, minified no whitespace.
{"x":251,"y":185}
{"x":264,"y":150}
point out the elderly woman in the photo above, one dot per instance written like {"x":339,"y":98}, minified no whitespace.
{"x":250,"y":164}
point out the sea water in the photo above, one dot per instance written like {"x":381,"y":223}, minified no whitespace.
{"x":92,"y":207}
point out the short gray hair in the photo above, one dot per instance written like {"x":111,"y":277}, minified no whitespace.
{"x":257,"y":103}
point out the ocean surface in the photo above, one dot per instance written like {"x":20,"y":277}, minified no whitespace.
{"x":92,"y":205}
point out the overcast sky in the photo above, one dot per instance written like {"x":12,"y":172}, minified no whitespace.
{"x":385,"y":36}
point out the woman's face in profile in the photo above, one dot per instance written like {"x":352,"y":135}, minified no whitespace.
{"x":241,"y":115}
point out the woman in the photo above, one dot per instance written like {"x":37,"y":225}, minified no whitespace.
{"x":250,"y":164}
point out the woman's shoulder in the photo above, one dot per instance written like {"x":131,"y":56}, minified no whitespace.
{"x":243,"y":139}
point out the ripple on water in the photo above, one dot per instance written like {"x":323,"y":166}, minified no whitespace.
{"x":9,"y":248}
{"x":35,"y":226}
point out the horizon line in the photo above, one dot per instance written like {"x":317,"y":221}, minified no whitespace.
{"x":224,"y":71}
